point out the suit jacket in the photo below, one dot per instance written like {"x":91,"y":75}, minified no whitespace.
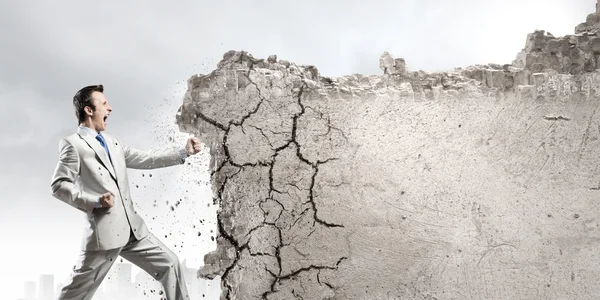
{"x":84,"y":172}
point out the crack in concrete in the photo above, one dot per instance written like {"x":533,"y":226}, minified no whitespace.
{"x":238,"y":249}
{"x":266,"y":213}
{"x":300,"y":217}
{"x":315,"y":166}
{"x":311,"y":267}
{"x":329,"y":126}
{"x":279,"y":277}
{"x":312,"y":200}
{"x":557,"y":118}
{"x":321,"y":283}
{"x":263,"y":134}
{"x":262,"y":99}
{"x":271,"y":186}
{"x":208,"y":120}
{"x":229,"y":168}
{"x":291,"y":275}
{"x":223,"y":184}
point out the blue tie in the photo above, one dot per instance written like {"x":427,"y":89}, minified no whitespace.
{"x":100,"y":138}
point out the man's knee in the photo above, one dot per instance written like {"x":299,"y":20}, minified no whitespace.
{"x":175,"y":263}
{"x":172,"y":265}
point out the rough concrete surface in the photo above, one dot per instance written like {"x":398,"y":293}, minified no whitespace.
{"x":481,"y":183}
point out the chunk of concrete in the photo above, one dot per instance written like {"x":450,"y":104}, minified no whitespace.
{"x":478,"y":184}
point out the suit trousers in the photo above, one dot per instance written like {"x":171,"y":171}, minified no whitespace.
{"x":149,"y":254}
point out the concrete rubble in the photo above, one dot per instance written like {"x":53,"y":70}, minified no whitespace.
{"x":481,"y":183}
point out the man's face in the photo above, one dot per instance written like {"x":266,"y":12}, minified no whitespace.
{"x":101,"y":113}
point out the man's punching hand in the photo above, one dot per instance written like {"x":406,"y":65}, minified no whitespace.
{"x":193,"y":146}
{"x":107,"y":200}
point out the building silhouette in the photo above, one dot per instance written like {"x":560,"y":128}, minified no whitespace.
{"x":118,"y":285}
{"x":29,"y":290}
{"x":46,"y":287}
{"x":59,"y":286}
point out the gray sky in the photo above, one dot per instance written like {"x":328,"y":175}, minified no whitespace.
{"x":142,"y":51}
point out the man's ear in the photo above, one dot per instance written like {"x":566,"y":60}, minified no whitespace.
{"x":88,"y":110}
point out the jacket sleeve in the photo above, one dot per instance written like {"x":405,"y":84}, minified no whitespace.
{"x":63,"y":180}
{"x":153,"y":158}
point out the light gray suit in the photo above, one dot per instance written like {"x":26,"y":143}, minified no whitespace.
{"x":83,"y":173}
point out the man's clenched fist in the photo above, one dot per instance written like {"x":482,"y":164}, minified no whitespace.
{"x":193,"y":146}
{"x":106,"y":200}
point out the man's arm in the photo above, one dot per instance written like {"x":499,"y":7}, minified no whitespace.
{"x":63,"y":180}
{"x":154,"y":158}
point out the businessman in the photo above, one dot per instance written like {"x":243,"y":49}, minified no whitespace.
{"x":91,"y":175}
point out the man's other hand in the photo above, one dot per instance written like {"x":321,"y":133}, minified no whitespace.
{"x":107,"y":200}
{"x":193,"y":146}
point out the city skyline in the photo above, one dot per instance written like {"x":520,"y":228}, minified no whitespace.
{"x":124,"y":281}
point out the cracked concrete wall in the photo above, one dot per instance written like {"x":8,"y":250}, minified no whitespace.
{"x":475,"y":184}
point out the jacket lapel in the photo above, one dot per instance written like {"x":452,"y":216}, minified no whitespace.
{"x":110,"y":143}
{"x":100,"y":152}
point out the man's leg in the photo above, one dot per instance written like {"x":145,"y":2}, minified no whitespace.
{"x":88,"y":273}
{"x":152,"y":256}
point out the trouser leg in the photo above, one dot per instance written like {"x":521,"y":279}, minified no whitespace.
{"x":152,"y":256}
{"x":88,"y":273}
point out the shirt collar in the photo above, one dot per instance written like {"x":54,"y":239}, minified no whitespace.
{"x":88,"y":131}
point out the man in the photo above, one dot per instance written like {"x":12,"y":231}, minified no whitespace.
{"x":91,"y":175}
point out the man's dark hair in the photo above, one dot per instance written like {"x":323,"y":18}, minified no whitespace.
{"x":83,"y":98}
